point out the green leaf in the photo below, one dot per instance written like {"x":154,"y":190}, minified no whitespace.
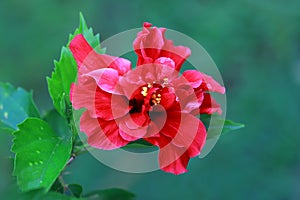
{"x":54,"y":196}
{"x":94,"y":40}
{"x":110,"y":194}
{"x":231,"y":126}
{"x":41,"y":195}
{"x":217,"y":124}
{"x":141,"y":143}
{"x":16,"y":105}
{"x":140,"y":146}
{"x":41,"y":153}
{"x":74,"y":190}
{"x":57,"y":187}
{"x":59,"y":84}
{"x":66,"y":70}
{"x":57,"y":123}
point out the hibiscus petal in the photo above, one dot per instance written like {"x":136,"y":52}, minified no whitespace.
{"x":209,"y":105}
{"x":148,"y":44}
{"x":110,"y":106}
{"x":136,"y":120}
{"x":83,"y":95}
{"x":134,"y":79}
{"x":174,"y":158}
{"x":101,"y":134}
{"x":190,"y":99}
{"x":205,"y":82}
{"x":151,"y":44}
{"x":133,"y":126}
{"x":107,"y":79}
{"x":194,"y":77}
{"x":122,"y":65}
{"x":165,"y":71}
{"x":158,"y":118}
{"x":86,"y":56}
{"x":186,"y":131}
{"x":71,"y":91}
{"x":177,"y":53}
{"x":171,"y":158}
{"x":167,"y":99}
{"x":199,"y":141}
{"x":192,"y":107}
{"x":212,"y":85}
{"x":99,"y":103}
{"x":80,"y":49}
{"x":165,"y":61}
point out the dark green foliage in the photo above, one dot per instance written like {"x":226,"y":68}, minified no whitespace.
{"x":16,"y":105}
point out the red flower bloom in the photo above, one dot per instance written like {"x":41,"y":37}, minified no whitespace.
{"x":151,"y":102}
{"x":151,"y":46}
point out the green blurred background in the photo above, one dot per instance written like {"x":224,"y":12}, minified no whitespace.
{"x":256,"y":45}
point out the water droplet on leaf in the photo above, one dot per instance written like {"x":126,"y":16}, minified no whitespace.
{"x":6,"y":115}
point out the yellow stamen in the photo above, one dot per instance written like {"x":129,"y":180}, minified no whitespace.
{"x":156,"y":98}
{"x":144,"y":91}
{"x":154,"y":102}
{"x":166,"y":80}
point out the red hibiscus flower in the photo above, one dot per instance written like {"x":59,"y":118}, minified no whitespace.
{"x":153,"y":101}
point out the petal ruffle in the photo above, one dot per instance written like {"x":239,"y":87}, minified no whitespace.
{"x":165,"y":61}
{"x":83,"y":95}
{"x":148,"y":44}
{"x":80,"y":49}
{"x":85,"y":56}
{"x":174,"y":160}
{"x":167,"y":99}
{"x":133,"y":126}
{"x":151,"y":44}
{"x":99,"y":102}
{"x":194,"y":77}
{"x":171,"y":158}
{"x":184,"y":129}
{"x":107,"y":79}
{"x":209,"y":105}
{"x":181,"y":138}
{"x":205,"y":82}
{"x":211,"y":85}
{"x":177,"y":53}
{"x":110,"y":106}
{"x":101,"y":134}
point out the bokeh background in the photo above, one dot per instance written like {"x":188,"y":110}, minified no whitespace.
{"x":255,"y":44}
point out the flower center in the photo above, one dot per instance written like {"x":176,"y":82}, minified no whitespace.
{"x":154,"y":90}
{"x":155,"y":98}
{"x":148,"y":95}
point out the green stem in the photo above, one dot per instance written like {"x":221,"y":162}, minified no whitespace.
{"x":82,"y":149}
{"x":78,"y":150}
{"x":62,"y":182}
